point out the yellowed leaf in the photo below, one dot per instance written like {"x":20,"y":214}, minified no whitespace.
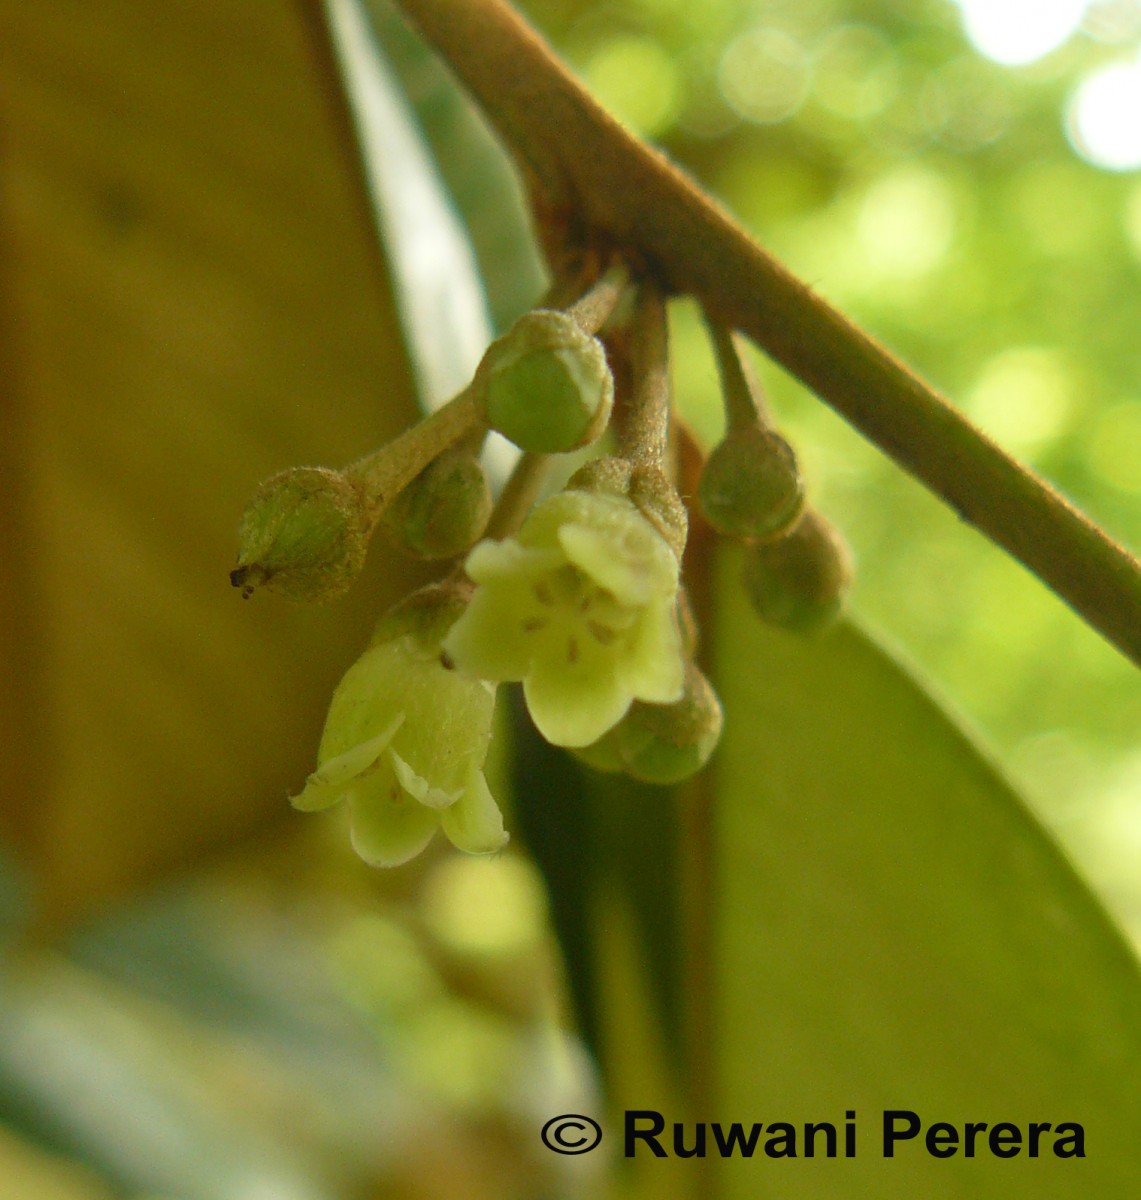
{"x":192,"y":300}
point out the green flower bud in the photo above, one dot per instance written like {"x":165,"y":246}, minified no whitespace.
{"x":545,"y":384}
{"x":798,"y":581}
{"x":426,"y":614}
{"x":659,"y":743}
{"x":751,"y":486}
{"x":304,"y":535}
{"x":608,"y":475}
{"x":444,"y":510}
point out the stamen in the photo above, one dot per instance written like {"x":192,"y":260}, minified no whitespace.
{"x":602,"y":633}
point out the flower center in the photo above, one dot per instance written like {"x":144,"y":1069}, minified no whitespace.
{"x":575,"y":611}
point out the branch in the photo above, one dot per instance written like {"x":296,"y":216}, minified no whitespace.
{"x":584,"y":164}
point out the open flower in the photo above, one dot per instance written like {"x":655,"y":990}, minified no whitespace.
{"x":582,"y":608}
{"x":404,"y":744}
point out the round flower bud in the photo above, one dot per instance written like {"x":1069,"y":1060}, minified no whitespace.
{"x":609,"y":475}
{"x":304,"y":535}
{"x":798,"y":581}
{"x":546,"y":385}
{"x":662,"y":743}
{"x":444,"y":510}
{"x":751,"y":486}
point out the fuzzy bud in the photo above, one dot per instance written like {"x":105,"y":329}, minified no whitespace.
{"x":546,"y":385}
{"x":304,"y":536}
{"x":646,"y":487}
{"x":444,"y":510}
{"x":751,"y":486}
{"x":798,"y":581}
{"x":608,"y":475}
{"x":662,"y":743}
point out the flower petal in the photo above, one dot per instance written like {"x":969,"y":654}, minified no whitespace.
{"x":388,"y":830}
{"x":489,"y":640}
{"x":653,"y":667}
{"x":474,"y":823}
{"x":629,"y":559}
{"x":575,"y":707}
{"x":328,"y":783}
{"x":419,"y":788}
{"x":492,"y":561}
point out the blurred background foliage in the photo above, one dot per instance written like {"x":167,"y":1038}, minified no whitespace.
{"x":205,"y":996}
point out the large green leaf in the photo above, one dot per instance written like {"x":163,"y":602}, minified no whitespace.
{"x":895,"y":931}
{"x":191,"y":301}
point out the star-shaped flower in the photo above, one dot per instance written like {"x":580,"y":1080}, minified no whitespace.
{"x":582,"y":608}
{"x":404,"y":745}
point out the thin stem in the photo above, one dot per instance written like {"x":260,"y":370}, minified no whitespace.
{"x":744,"y":404}
{"x":593,"y":310}
{"x":580,"y":159}
{"x":642,"y":425}
{"x":386,"y":472}
{"x":518,"y":496}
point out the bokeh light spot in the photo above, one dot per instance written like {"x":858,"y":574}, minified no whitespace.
{"x":1024,"y":397}
{"x":637,"y":80}
{"x":964,"y":104}
{"x":764,"y":75}
{"x":1105,"y":117}
{"x":907,"y":222}
{"x":485,"y":906}
{"x":1016,"y":32}
{"x":855,"y":73}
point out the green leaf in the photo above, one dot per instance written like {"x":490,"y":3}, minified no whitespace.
{"x":896,"y":932}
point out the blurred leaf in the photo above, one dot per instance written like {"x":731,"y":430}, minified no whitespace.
{"x":193,"y":300}
{"x":474,"y":166}
{"x":26,"y":1173}
{"x":222,"y":1057}
{"x":604,"y":843}
{"x":896,"y":932}
{"x":442,"y":305}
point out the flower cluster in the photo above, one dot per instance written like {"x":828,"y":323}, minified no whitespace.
{"x":578,"y":597}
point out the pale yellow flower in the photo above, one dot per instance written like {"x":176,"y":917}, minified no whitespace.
{"x":582,"y":608}
{"x":404,"y":745}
